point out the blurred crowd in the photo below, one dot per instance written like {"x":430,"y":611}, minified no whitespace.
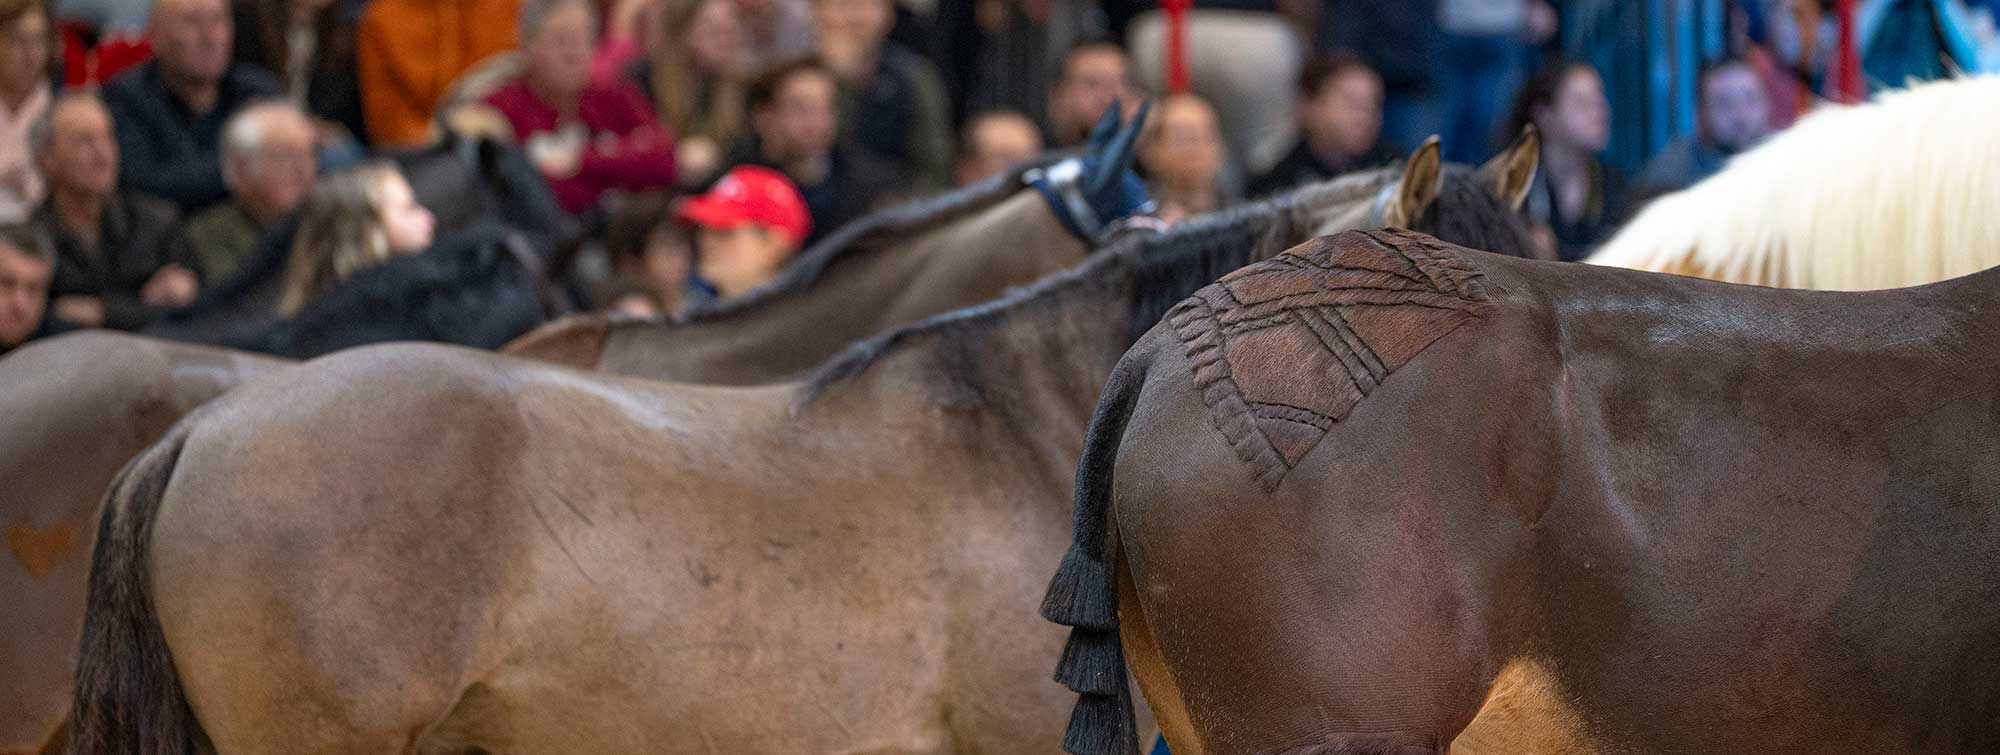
{"x":152,"y":150}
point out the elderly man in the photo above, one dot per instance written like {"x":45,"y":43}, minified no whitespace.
{"x":267,"y":160}
{"x":26,"y":264}
{"x":117,"y":259}
{"x":170,"y":111}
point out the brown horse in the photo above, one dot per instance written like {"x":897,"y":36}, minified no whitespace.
{"x":121,"y":393}
{"x":62,"y":444}
{"x":889,"y":269}
{"x":1385,"y":495}
{"x":436,"y":550}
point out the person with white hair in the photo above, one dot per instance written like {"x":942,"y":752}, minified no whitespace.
{"x":268,"y":163}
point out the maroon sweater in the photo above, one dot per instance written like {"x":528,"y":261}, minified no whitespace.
{"x":623,"y":144}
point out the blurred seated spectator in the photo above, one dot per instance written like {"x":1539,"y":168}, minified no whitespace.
{"x":355,"y":219}
{"x":994,"y":143}
{"x":1576,"y":200}
{"x":26,"y":39}
{"x":267,"y":160}
{"x":1182,"y":156}
{"x":777,"y":31}
{"x":1340,"y":126}
{"x":309,"y":46}
{"x":746,"y":228}
{"x":26,"y":265}
{"x":1484,"y":57}
{"x":587,"y":137}
{"x":1734,"y":114}
{"x":1093,"y":75}
{"x":409,"y":52}
{"x":1402,"y":41}
{"x":892,"y":100}
{"x":1242,"y":53}
{"x":795,"y":131}
{"x":119,"y":260}
{"x":170,"y":110}
{"x":654,"y":253}
{"x":695,"y":76}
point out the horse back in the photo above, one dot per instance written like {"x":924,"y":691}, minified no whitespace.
{"x":1366,"y":480}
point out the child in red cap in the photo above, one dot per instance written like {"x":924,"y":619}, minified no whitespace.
{"x":746,"y":228}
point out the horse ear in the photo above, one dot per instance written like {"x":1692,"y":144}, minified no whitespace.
{"x":1510,"y":173}
{"x":1418,"y":187}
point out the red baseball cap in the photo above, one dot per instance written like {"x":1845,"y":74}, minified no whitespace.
{"x":750,"y":194}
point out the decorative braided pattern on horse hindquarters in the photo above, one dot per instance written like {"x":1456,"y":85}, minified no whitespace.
{"x":1283,"y":349}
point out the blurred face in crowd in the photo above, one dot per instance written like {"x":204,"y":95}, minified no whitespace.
{"x":557,"y":52}
{"x":738,"y":258}
{"x":851,"y":32}
{"x":406,"y":224}
{"x":24,"y":292}
{"x":275,"y":176}
{"x":799,"y":123}
{"x":1093,"y":78}
{"x":995,"y":143}
{"x":24,"y":53}
{"x":1344,"y":119}
{"x":716,"y":38}
{"x":1735,"y":109}
{"x":663,"y":265}
{"x":81,"y":155}
{"x":1185,"y":145}
{"x":1579,"y":116}
{"x":192,"y":38}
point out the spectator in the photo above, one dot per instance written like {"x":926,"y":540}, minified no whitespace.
{"x":1340,"y":126}
{"x":409,"y":52}
{"x":1484,"y":46}
{"x":170,"y":110}
{"x":696,"y":78}
{"x":746,"y":228}
{"x":995,"y":142}
{"x":26,"y":48}
{"x":892,"y":101}
{"x":309,"y":46}
{"x":118,"y":257}
{"x":1734,"y":114}
{"x":792,"y":113}
{"x":1182,"y":155}
{"x":1401,"y":40}
{"x":655,"y":257}
{"x":1575,"y":200}
{"x":356,"y":219}
{"x":587,"y":137}
{"x":1094,"y":75}
{"x":267,"y":159}
{"x":26,"y":265}
{"x":778,"y":30}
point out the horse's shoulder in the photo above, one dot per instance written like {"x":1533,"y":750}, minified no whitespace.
{"x":1283,"y":349}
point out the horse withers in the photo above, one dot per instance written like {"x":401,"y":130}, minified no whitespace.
{"x":1384,"y":494}
{"x":444,"y":551}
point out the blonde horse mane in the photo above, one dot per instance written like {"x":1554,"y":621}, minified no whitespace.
{"x":1899,"y":192}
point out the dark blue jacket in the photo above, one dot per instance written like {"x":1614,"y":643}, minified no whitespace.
{"x":167,"y":150}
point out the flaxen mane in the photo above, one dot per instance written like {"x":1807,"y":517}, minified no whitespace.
{"x":1895,"y":193}
{"x":1347,"y":312}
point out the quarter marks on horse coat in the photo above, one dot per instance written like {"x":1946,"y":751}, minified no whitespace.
{"x":1283,"y":349}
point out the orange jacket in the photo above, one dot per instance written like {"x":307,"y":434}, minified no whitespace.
{"x":410,"y":51}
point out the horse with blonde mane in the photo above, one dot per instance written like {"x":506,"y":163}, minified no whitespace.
{"x":1898,"y":192}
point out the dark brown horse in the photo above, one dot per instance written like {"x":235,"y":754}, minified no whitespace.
{"x":437,"y":550}
{"x":73,"y":410}
{"x":1386,"y":495}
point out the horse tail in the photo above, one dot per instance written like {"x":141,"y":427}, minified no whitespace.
{"x":1084,"y":593}
{"x":129,"y":699}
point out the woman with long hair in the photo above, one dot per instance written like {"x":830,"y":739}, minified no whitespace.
{"x":697,"y":76}
{"x":355,"y":219}
{"x":1576,"y":200}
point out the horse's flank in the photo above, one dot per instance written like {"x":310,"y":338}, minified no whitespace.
{"x":1895,"y":193}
